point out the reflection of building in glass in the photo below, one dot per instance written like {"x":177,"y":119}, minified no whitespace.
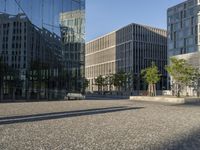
{"x":72,"y":34}
{"x":24,"y":45}
{"x":129,"y":49}
{"x":72,"y":24}
{"x":33,"y":60}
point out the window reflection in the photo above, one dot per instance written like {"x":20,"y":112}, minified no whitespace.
{"x":42,"y":48}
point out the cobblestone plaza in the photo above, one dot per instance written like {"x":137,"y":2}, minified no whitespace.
{"x":99,"y":125}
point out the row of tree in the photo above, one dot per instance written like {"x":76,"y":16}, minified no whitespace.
{"x":183,"y":75}
{"x":39,"y":81}
{"x":8,"y":77}
{"x":118,"y":80}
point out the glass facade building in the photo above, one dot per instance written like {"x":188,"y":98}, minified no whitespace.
{"x":183,"y":28}
{"x":42,"y":48}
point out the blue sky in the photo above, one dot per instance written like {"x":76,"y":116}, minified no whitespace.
{"x":103,"y":16}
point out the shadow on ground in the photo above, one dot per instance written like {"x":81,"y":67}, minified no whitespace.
{"x":106,"y":97}
{"x":59,"y":115}
{"x":194,"y":104}
{"x":186,"y":142}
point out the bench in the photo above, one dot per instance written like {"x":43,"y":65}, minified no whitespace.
{"x":74,"y":96}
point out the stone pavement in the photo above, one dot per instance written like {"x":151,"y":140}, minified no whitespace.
{"x":99,"y":125}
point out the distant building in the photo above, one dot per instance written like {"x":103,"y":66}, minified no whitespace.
{"x":100,"y":58}
{"x":129,"y":49}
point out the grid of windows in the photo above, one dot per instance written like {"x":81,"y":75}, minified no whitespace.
{"x":130,"y":49}
{"x":183,"y":25}
{"x":42,"y":48}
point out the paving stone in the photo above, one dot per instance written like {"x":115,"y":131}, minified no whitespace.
{"x":99,"y":125}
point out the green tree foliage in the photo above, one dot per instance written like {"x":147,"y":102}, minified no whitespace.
{"x":109,"y":81}
{"x":130,"y":78}
{"x":36,"y":68}
{"x":119,"y":80}
{"x":182,"y":74}
{"x":100,"y":82}
{"x":10,"y":78}
{"x":151,"y":76}
{"x":85,"y":83}
{"x":195,"y":84}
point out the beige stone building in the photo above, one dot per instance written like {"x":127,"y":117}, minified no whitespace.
{"x":129,"y":49}
{"x":100,"y":58}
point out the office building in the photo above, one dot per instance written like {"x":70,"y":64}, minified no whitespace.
{"x":129,"y":49}
{"x":73,"y":38}
{"x":100,"y":58}
{"x":183,"y":28}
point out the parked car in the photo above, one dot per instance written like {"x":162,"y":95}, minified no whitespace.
{"x":74,"y":96}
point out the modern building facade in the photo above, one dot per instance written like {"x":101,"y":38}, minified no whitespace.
{"x":73,"y":38}
{"x":34,"y":50}
{"x":183,"y":22}
{"x":24,"y":45}
{"x":183,"y":28}
{"x":129,"y":49}
{"x":100,"y":58}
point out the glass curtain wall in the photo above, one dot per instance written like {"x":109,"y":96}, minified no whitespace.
{"x":42,"y":48}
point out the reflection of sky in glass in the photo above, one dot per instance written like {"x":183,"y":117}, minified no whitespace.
{"x":42,"y":13}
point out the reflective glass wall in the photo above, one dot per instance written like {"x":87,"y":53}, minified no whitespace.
{"x":42,"y":48}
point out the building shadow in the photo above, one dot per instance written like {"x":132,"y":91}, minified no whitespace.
{"x":102,"y":97}
{"x":187,"y":142}
{"x":191,"y":104}
{"x":60,"y":115}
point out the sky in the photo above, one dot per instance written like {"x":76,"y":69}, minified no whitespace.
{"x":104,"y":16}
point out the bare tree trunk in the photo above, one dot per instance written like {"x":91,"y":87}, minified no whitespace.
{"x":155,"y":90}
{"x":151,"y":89}
{"x":178,"y":90}
{"x":198,"y":88}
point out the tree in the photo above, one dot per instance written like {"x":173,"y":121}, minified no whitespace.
{"x":15,"y":82}
{"x":109,"y":81}
{"x":100,"y":82}
{"x":130,"y":79}
{"x":86,"y":83}
{"x":36,"y":68}
{"x":151,"y":76}
{"x":195,"y":84}
{"x":119,"y":79}
{"x":2,"y":71}
{"x":182,"y":74}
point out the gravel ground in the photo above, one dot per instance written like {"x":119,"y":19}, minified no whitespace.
{"x":99,"y":125}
